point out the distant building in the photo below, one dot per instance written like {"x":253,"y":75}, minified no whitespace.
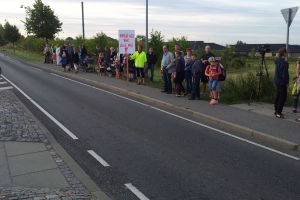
{"x":246,"y":49}
{"x":196,"y":45}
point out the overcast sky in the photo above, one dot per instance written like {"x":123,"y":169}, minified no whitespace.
{"x":219,"y":21}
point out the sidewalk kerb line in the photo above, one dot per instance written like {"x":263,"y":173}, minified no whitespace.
{"x":98,"y":158}
{"x":244,"y":130}
{"x":135,"y":191}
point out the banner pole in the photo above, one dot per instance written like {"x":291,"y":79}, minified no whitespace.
{"x":127,"y":57}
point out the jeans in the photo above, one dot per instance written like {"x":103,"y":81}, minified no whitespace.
{"x":280,"y":98}
{"x":189,"y":86}
{"x":196,"y":88}
{"x":295,"y":101}
{"x":151,"y":67}
{"x":167,"y":80}
{"x":134,"y":73}
{"x":213,"y":84}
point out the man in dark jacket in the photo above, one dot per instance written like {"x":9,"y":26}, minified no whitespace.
{"x":205,"y":63}
{"x":196,"y":71}
{"x":281,"y":79}
{"x":151,"y":61}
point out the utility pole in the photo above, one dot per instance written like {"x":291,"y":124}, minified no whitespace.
{"x":82,"y":20}
{"x":146,"y":50}
{"x":22,"y":6}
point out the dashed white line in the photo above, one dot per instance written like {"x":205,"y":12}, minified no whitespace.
{"x":6,"y":88}
{"x":37,"y":69}
{"x":135,"y":191}
{"x":186,"y":119}
{"x":97,"y":157}
{"x":44,"y":111}
{"x":3,"y":82}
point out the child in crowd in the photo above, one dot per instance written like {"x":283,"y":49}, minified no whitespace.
{"x":213,"y":71}
{"x":53,"y":58}
{"x":219,"y":85}
{"x":63,"y":61}
{"x":101,"y":64}
{"x":130,"y":69}
{"x":188,"y":76}
{"x":118,"y":66}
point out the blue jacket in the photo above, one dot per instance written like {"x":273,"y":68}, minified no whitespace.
{"x":188,"y":72}
{"x":63,"y":60}
{"x":281,"y":72}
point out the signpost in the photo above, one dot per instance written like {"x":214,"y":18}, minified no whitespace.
{"x":126,"y":44}
{"x":288,"y":15}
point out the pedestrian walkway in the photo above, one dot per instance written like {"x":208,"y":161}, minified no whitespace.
{"x":30,"y":166}
{"x":257,"y":120}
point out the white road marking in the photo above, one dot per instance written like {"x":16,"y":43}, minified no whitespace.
{"x":44,"y":111}
{"x":3,"y":82}
{"x":6,"y":88}
{"x":37,"y":69}
{"x":135,"y":191}
{"x":194,"y":122}
{"x":97,"y":157}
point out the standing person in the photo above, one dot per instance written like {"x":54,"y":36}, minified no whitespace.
{"x":113,"y":54}
{"x":296,"y":96}
{"x":177,"y":48}
{"x":75,"y":59}
{"x":70,"y":55}
{"x":53,"y":49}
{"x":101,"y":64}
{"x":47,"y":53}
{"x":196,"y":71}
{"x":205,"y":63}
{"x":151,"y":61}
{"x":120,"y":58}
{"x":219,"y":85}
{"x":97,"y":51}
{"x":213,"y":71}
{"x":281,"y":80}
{"x":188,"y":75}
{"x":188,"y":55}
{"x":140,"y":62}
{"x":167,"y":68}
{"x":179,"y":70}
{"x":84,"y":53}
{"x":63,"y":61}
{"x":58,"y":54}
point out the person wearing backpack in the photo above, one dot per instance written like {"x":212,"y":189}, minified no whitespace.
{"x":222,"y":77}
{"x":213,"y":72}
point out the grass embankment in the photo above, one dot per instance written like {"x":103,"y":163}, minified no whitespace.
{"x":236,"y":88}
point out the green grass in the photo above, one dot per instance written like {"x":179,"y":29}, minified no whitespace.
{"x":24,"y":55}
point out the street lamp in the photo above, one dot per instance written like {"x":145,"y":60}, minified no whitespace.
{"x":22,"y":6}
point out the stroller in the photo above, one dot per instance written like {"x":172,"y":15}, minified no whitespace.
{"x":110,"y":69}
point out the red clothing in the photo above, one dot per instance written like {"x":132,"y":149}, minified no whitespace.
{"x":213,"y":69}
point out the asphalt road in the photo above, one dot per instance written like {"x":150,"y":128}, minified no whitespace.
{"x":163,"y":156}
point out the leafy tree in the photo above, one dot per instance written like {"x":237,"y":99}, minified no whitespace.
{"x":41,"y":21}
{"x":182,"y":41}
{"x":11,"y":33}
{"x":142,"y":38}
{"x":2,"y":38}
{"x":240,"y":42}
{"x":156,"y":41}
{"x":69,"y":39}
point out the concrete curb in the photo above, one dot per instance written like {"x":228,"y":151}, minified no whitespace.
{"x":241,"y":129}
{"x":75,"y":168}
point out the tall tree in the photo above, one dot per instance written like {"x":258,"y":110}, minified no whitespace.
{"x":2,"y":38}
{"x":240,"y":42}
{"x":41,"y":21}
{"x":156,"y":41}
{"x":11,"y":33}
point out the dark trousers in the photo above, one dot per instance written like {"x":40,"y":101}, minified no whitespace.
{"x":281,"y":94}
{"x":167,"y":80}
{"x":179,"y":80}
{"x":195,"y":87}
{"x":140,"y":71}
{"x":151,"y":67}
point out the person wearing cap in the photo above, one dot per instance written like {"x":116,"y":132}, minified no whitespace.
{"x":205,"y":63}
{"x":212,"y":71}
{"x":219,"y":85}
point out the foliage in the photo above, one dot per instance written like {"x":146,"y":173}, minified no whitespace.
{"x":240,"y":42}
{"x":3,"y":41}
{"x":141,"y":37}
{"x":156,"y":41}
{"x":11,"y":33}
{"x":41,"y":21}
{"x":182,"y":41}
{"x":69,"y":39}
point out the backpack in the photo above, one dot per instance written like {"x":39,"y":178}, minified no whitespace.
{"x":222,"y":76}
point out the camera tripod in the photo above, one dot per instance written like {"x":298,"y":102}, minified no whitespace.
{"x":259,"y":73}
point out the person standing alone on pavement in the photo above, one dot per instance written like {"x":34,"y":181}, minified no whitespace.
{"x":281,"y":80}
{"x":151,"y":61}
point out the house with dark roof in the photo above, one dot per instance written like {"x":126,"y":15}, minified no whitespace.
{"x":246,"y":49}
{"x":196,"y":45}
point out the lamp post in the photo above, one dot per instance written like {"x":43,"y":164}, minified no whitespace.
{"x":22,"y":6}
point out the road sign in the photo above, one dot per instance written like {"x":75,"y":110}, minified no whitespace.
{"x":289,"y":14}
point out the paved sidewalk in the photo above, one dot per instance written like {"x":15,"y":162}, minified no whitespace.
{"x":30,"y":166}
{"x":257,"y":120}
